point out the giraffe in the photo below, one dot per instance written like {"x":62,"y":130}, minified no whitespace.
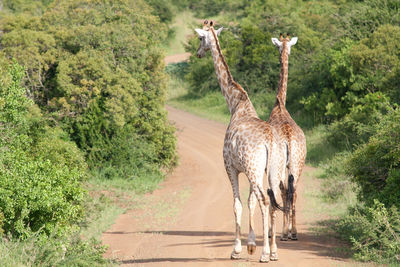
{"x":292,"y":136}
{"x":251,"y":146}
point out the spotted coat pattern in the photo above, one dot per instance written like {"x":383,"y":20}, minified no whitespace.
{"x":293,"y":137}
{"x":252,"y":147}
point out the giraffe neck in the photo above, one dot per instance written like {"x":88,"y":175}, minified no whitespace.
{"x":282,"y":87}
{"x":234,"y":94}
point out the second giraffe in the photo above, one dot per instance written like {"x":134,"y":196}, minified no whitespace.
{"x":293,"y":137}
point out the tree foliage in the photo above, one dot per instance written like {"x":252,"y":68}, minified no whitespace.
{"x":375,"y":165}
{"x":374,"y":232}
{"x":97,"y":68}
{"x":41,"y":170}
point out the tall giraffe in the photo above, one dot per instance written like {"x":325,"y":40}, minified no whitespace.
{"x":251,"y":146}
{"x":293,"y":137}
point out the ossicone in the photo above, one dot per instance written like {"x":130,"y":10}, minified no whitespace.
{"x":205,"y":23}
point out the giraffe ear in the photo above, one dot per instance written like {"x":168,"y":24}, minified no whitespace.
{"x":219,"y":31}
{"x":293,"y":41}
{"x":201,"y":32}
{"x":276,"y":42}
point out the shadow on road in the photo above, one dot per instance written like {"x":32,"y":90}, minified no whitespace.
{"x":152,"y":260}
{"x":316,"y":244}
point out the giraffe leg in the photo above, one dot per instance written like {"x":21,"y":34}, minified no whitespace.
{"x":251,"y":240}
{"x":274,"y":248}
{"x":285,"y":213}
{"x":237,"y":208}
{"x":264,"y":212}
{"x":292,"y":216}
{"x":293,"y":219}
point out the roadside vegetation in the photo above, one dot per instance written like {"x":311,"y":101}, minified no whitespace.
{"x":343,"y":90}
{"x":83,"y":129}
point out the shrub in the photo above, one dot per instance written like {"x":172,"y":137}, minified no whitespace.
{"x":40,"y":175}
{"x":96,"y":67}
{"x":67,"y":251}
{"x":37,"y":195}
{"x":375,"y":165}
{"x":374,"y":232}
{"x":351,"y":70}
{"x":357,"y":126}
{"x":337,"y":183}
{"x":133,"y":159}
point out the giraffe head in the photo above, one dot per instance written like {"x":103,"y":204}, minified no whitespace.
{"x":206,"y":37}
{"x":284,"y":44}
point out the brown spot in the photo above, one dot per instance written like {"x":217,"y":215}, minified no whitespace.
{"x":224,"y":76}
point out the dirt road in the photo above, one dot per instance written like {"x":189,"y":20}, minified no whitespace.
{"x":189,"y":221}
{"x":177,"y":58}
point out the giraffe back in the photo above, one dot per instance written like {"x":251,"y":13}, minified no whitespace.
{"x":291,"y":133}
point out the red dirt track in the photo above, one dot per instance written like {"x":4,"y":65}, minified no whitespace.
{"x":189,"y":221}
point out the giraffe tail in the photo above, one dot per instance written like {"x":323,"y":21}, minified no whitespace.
{"x":273,"y":200}
{"x":290,"y":190}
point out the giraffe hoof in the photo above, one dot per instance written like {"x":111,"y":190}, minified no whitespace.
{"x":284,"y":238}
{"x":235,"y":256}
{"x":251,"y":248}
{"x":264,"y":258}
{"x":294,"y":237}
{"x":273,"y":256}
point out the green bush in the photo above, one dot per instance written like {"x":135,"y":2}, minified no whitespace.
{"x":133,"y":159}
{"x":359,"y":19}
{"x":351,"y":70}
{"x":337,"y":183}
{"x":374,"y":232}
{"x":26,"y":6}
{"x":38,"y":195}
{"x":55,"y":251}
{"x":40,"y":174}
{"x":357,"y":126}
{"x":375,"y":166}
{"x":96,"y":68}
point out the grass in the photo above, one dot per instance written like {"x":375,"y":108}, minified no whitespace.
{"x":318,"y":150}
{"x":181,"y":28}
{"x":64,"y":251}
{"x":158,"y":212}
{"x":318,"y":206}
{"x":212,"y":105}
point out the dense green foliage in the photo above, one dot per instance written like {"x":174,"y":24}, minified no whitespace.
{"x":336,"y":60}
{"x":374,"y":232}
{"x":96,"y":67}
{"x":375,"y":165}
{"x":87,"y":101}
{"x":357,"y":126}
{"x":41,"y":171}
{"x":67,"y":251}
